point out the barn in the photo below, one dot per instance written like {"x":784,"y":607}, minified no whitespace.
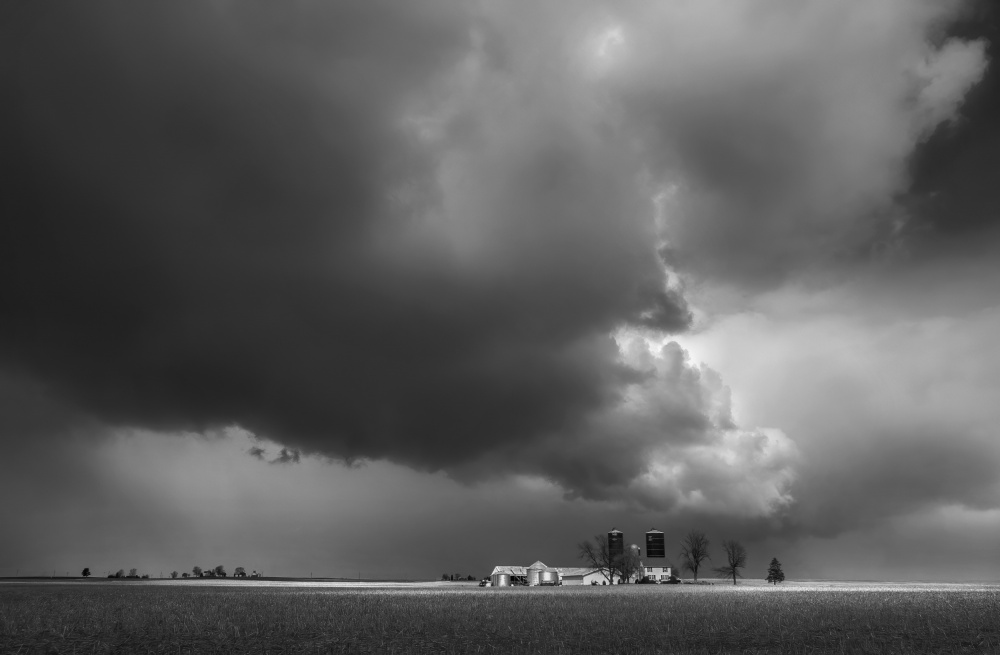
{"x":540,"y":574}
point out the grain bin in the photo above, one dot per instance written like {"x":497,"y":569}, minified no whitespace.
{"x":501,"y":579}
{"x":548,"y":577}
{"x":535,"y":573}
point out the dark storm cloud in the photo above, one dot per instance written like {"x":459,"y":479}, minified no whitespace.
{"x":431,"y":233}
{"x":955,"y":191}
{"x":299,"y":221}
{"x":257,"y":452}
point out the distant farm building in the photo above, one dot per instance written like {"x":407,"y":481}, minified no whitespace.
{"x":538,"y":574}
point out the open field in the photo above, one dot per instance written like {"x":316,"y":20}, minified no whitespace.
{"x":99,"y":616}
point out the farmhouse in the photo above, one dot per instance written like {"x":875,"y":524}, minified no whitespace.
{"x":656,"y":569}
{"x":540,"y":574}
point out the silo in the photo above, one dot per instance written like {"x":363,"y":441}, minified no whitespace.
{"x":654,"y":544}
{"x":616,"y":544}
{"x":501,"y":579}
{"x":548,"y":578}
{"x":535,"y":573}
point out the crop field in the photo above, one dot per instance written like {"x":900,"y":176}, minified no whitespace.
{"x":248,"y":617}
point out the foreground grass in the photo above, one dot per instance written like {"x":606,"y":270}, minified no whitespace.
{"x":103,"y":618}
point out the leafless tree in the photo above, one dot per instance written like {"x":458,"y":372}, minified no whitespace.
{"x":629,"y":564}
{"x":694,"y":551}
{"x":736,"y":559}
{"x":597,"y":555}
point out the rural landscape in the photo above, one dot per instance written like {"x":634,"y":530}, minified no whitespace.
{"x":437,"y":617}
{"x":500,"y":326}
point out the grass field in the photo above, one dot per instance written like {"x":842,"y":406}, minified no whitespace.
{"x":231,"y":616}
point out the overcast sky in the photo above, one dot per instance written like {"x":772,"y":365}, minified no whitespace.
{"x":396,"y":289}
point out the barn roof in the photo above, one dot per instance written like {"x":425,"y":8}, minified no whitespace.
{"x":575,"y":570}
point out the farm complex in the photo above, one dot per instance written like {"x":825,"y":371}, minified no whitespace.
{"x":653,"y":566}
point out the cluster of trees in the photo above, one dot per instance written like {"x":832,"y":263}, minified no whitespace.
{"x":120,"y":573}
{"x":217,"y":572}
{"x":598,"y":554}
{"x":694,"y":554}
{"x":456,"y":576}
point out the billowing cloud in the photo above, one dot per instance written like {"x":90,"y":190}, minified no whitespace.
{"x":414,"y":231}
{"x":782,"y":131}
{"x":892,"y":407}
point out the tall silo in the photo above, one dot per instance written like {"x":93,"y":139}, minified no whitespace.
{"x":616,"y":544}
{"x":654,"y":544}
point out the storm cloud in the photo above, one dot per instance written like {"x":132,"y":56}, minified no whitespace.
{"x":448,"y":235}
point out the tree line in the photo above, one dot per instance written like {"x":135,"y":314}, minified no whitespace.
{"x":196,"y":572}
{"x":693,"y":555}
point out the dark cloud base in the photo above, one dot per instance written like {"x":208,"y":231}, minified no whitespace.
{"x":202,"y":228}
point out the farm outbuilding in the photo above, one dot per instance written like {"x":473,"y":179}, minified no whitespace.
{"x":538,"y":574}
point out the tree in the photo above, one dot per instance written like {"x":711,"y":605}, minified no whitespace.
{"x":597,"y":555}
{"x":694,"y":551}
{"x":133,"y":573}
{"x":120,"y":573}
{"x":240,"y":572}
{"x":86,"y":573}
{"x":173,"y":575}
{"x":736,"y":559}
{"x":220,"y":571}
{"x":197,"y":571}
{"x":629,"y":564}
{"x":185,"y":575}
{"x":774,"y":572}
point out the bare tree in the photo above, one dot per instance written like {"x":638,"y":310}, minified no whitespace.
{"x":220,"y":571}
{"x":629,"y":564}
{"x":736,"y":559}
{"x":694,"y":551}
{"x":597,"y":555}
{"x":197,"y":571}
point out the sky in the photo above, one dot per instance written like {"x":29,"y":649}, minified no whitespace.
{"x":389,"y":290}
